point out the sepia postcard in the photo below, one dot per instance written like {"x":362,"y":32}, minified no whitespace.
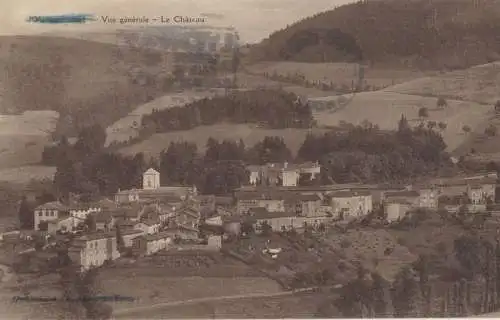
{"x":275,"y":159}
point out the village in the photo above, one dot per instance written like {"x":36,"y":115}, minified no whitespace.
{"x":143,"y":222}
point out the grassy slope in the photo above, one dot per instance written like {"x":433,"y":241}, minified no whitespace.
{"x":250,"y":135}
{"x":88,"y":81}
{"x":398,"y":31}
{"x":385,"y":109}
{"x":476,"y":85}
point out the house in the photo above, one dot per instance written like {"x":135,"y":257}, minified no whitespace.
{"x":232,"y":224}
{"x":351,"y":204}
{"x":63,"y":224}
{"x":151,"y":243}
{"x":428,"y":197}
{"x":468,"y":185}
{"x":272,"y":200}
{"x":406,"y":196}
{"x":148,"y":226}
{"x":81,"y":212}
{"x":47,"y":212}
{"x":280,"y":221}
{"x":214,"y":221}
{"x":104,"y":221}
{"x":304,"y":205}
{"x":182,"y":232}
{"x":129,"y":211}
{"x":152,"y":190}
{"x":124,"y":224}
{"x":92,"y":250}
{"x":397,"y":210}
{"x":186,"y":216}
{"x":285,"y":174}
{"x":129,"y":235}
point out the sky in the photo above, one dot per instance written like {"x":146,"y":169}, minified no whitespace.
{"x":254,"y":19}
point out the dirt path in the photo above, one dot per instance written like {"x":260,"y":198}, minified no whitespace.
{"x":123,"y":313}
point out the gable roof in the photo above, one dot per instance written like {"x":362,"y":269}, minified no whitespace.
{"x":149,"y":222}
{"x":96,"y":236}
{"x":53,"y":205}
{"x":406,"y":193}
{"x":349,"y":194}
{"x":151,"y":171}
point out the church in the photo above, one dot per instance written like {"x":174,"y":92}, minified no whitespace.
{"x":153,"y":191}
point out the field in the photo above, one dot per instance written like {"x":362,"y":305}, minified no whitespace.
{"x":480,"y":84}
{"x":159,"y":288}
{"x":369,"y":247}
{"x":128,"y":126}
{"x":303,"y":305}
{"x":339,"y":73}
{"x":251,"y":81}
{"x":89,"y":81}
{"x":24,"y":174}
{"x":385,"y":109}
{"x":250,"y":134}
{"x":23,"y":137}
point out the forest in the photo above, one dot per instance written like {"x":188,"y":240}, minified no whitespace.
{"x":273,"y":108}
{"x":427,"y":34}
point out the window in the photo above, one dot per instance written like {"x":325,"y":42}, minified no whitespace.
{"x":52,"y":213}
{"x":40,"y":213}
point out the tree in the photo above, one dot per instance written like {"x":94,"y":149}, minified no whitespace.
{"x":497,"y":106}
{"x":431,"y":125}
{"x":247,"y":228}
{"x":441,"y":102}
{"x":423,"y":113}
{"x":422,"y":268}
{"x":403,"y":125}
{"x":90,"y":223}
{"x":119,"y":238}
{"x":26,"y":215}
{"x":379,"y":296}
{"x":355,"y":299}
{"x":266,"y":228}
{"x":442,"y":126}
{"x":404,"y":293}
{"x":491,"y":130}
{"x":467,"y":129}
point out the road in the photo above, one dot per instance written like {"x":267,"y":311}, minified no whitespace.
{"x":123,"y":313}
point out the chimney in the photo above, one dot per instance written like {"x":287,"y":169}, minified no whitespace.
{"x":285,"y":164}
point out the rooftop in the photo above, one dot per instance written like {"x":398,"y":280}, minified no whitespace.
{"x":53,"y":205}
{"x":404,"y":193}
{"x":349,"y":194}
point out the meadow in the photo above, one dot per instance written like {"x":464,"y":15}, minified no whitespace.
{"x":385,"y":109}
{"x":479,"y":83}
{"x":128,"y":126}
{"x":250,"y":135}
{"x":339,"y":73}
{"x":23,"y":137}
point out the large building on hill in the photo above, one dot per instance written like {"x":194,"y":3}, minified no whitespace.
{"x":153,"y":191}
{"x":285,"y":174}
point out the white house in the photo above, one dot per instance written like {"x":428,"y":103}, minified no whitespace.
{"x":93,"y":250}
{"x":47,"y":212}
{"x":351,"y":204}
{"x":148,"y":226}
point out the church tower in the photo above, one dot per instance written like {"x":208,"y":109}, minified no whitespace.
{"x":151,"y":179}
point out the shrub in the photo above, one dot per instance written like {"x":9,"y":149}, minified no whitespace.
{"x":344,"y":244}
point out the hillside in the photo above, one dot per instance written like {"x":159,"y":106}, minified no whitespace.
{"x":424,"y":34}
{"x":84,"y":81}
